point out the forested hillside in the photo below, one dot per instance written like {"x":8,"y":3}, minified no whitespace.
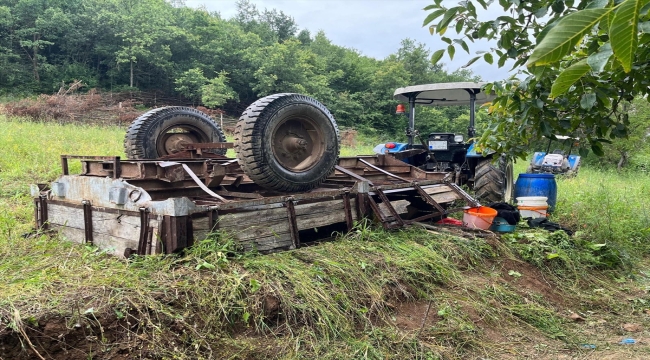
{"x":165,"y":46}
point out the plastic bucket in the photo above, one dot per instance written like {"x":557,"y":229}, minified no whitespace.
{"x":542,"y":185}
{"x":533,"y":211}
{"x":479,"y":217}
{"x":501,"y":225}
{"x":532,"y":201}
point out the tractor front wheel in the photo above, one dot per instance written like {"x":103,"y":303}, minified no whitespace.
{"x":494,"y":182}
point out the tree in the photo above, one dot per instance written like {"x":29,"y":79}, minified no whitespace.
{"x":217,"y":91}
{"x":583,"y":61}
{"x":190,"y":83}
{"x":141,"y":26}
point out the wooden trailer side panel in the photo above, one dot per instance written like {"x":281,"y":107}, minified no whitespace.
{"x":111,"y":231}
{"x":269,"y":229}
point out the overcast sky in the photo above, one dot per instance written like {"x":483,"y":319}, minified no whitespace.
{"x":374,"y":27}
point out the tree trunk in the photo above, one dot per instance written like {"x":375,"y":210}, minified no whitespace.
{"x":131,"y":73}
{"x":623,"y":161}
{"x":35,"y":58}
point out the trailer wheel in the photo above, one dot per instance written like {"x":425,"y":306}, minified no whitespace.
{"x":165,"y":130}
{"x":494,"y":182}
{"x":287,"y":142}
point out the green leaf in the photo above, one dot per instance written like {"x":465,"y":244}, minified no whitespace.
{"x":459,"y":26}
{"x":446,"y":19}
{"x":488,"y":58}
{"x":451,"y":50}
{"x":568,"y":77}
{"x":473,"y":60}
{"x":597,"y":61}
{"x":483,"y":29}
{"x":597,"y":148}
{"x":541,"y":12}
{"x":463,"y":44}
{"x":597,"y":4}
{"x":446,"y":39}
{"x":437,"y":56}
{"x":551,"y":256}
{"x":565,"y":35}
{"x":588,"y":101}
{"x":502,"y":60}
{"x":623,"y":31}
{"x":434,"y":15}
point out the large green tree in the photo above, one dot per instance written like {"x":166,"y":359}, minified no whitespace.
{"x":576,"y":64}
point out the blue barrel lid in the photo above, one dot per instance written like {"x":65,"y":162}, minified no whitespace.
{"x":538,"y":176}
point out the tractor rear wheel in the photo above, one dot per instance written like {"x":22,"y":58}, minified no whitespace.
{"x":493,"y":182}
{"x":164,"y":131}
{"x":287,"y":142}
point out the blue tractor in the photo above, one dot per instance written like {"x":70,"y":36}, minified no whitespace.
{"x":557,"y":162}
{"x":491,"y":178}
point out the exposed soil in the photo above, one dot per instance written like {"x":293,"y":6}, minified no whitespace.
{"x":105,"y":336}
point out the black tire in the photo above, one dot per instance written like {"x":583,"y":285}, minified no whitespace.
{"x":152,"y":135}
{"x":493,"y":182}
{"x":287,"y":142}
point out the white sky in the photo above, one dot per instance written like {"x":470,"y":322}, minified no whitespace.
{"x":374,"y":27}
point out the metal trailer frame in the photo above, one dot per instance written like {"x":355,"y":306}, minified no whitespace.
{"x":145,"y":207}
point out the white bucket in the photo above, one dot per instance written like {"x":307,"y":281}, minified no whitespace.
{"x":533,"y":211}
{"x":532,"y":201}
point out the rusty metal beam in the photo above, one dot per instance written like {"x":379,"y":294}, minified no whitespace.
{"x":351,"y":174}
{"x":348,"y":210}
{"x":196,"y":146}
{"x":144,"y":229}
{"x":88,"y":222}
{"x":293,"y":224}
{"x":390,"y":207}
{"x":470,"y":200}
{"x":428,"y":198}
{"x":43,"y":208}
{"x":213,"y":220}
{"x":383,"y":171}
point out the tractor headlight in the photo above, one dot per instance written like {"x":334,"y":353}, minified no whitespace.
{"x":458,"y":138}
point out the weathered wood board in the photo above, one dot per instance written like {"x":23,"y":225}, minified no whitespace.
{"x":112,"y":232}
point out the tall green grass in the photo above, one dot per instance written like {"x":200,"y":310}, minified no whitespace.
{"x":334,"y":300}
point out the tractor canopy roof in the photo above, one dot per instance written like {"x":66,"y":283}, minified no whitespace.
{"x":444,"y":94}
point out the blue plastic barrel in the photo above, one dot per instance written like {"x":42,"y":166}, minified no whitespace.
{"x":537,"y":185}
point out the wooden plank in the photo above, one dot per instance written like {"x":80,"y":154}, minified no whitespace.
{"x":266,"y":244}
{"x":114,"y":245}
{"x":248,"y":218}
{"x":435,"y":189}
{"x":243,"y":232}
{"x":447,"y":197}
{"x":121,"y":226}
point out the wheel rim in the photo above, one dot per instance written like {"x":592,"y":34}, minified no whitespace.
{"x":507,"y":197}
{"x":297,"y":144}
{"x":173,"y":139}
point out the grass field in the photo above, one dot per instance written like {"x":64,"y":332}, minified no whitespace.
{"x":371,"y":294}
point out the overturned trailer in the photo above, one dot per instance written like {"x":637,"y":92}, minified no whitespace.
{"x":286,"y":187}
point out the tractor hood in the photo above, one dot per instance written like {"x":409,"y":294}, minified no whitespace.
{"x":444,"y":94}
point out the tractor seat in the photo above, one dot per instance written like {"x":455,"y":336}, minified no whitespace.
{"x":559,"y":152}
